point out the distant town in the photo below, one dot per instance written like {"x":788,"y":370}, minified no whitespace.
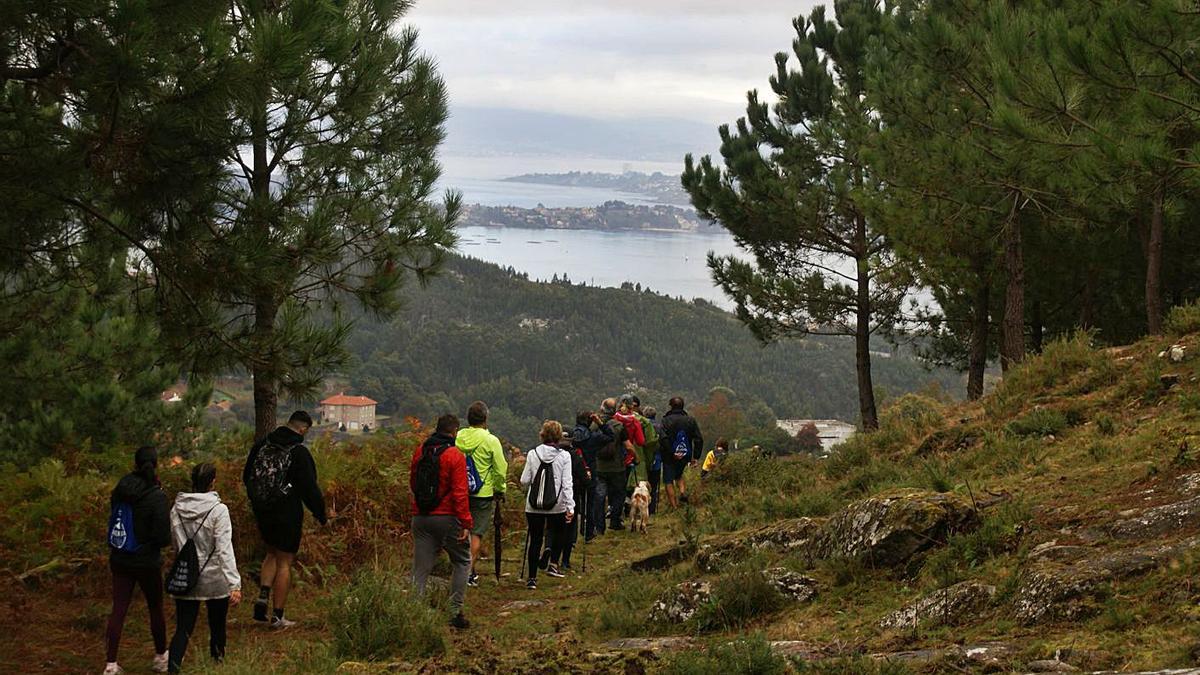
{"x":657,"y":186}
{"x":609,"y":216}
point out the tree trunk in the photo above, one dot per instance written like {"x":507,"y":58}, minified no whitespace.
{"x":266,"y":398}
{"x":263,"y":359}
{"x":980,"y":331}
{"x":1037,"y":325}
{"x":1012,"y":349}
{"x":1154,"y":246}
{"x":862,"y":336}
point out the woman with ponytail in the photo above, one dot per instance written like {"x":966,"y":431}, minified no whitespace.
{"x":139,"y":528}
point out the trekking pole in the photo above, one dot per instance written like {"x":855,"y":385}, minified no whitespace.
{"x":587,"y":507}
{"x":525,"y":554}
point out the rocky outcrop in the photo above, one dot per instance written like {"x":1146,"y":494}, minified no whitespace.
{"x":800,"y":535}
{"x":791,"y":585}
{"x":883,"y":531}
{"x":1053,"y":591}
{"x":944,"y":606}
{"x":681,"y":602}
{"x":1159,"y":521}
{"x":888,"y":530}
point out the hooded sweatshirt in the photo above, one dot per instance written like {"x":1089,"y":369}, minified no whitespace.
{"x":202,"y":517}
{"x":561,"y":465}
{"x":452,"y":480}
{"x":484,"y":448}
{"x":151,"y":523}
{"x":302,"y":475}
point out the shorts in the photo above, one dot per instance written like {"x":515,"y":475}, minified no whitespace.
{"x":672,"y":469}
{"x":281,"y":534}
{"x":482,"y":510}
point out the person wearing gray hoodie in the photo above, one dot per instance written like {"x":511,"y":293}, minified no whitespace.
{"x":547,"y":521}
{"x":200,"y":516}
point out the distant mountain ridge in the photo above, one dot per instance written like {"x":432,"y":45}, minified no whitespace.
{"x":505,"y":131}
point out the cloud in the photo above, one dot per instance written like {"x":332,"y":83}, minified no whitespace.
{"x":613,"y":59}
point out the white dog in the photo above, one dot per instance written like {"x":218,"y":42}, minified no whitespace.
{"x":639,"y":510}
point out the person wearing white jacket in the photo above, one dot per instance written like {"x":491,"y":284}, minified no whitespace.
{"x":200,"y":515}
{"x":547,"y":521}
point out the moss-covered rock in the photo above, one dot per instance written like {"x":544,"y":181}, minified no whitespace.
{"x":798,"y":535}
{"x":944,"y":606}
{"x":888,"y":530}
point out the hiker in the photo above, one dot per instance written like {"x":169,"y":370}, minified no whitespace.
{"x":646,"y":450}
{"x":654,"y":473}
{"x":679,"y":443}
{"x":715,"y":456}
{"x":281,"y":480}
{"x":610,"y":471}
{"x":483,"y":449}
{"x":550,"y":504}
{"x":441,"y":513}
{"x":139,"y":527}
{"x":200,"y":516}
{"x":590,"y":435}
{"x":581,"y":479}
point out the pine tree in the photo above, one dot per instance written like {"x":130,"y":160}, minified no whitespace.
{"x":796,"y":191}
{"x":327,"y":197}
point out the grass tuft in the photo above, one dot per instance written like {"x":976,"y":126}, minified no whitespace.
{"x":375,"y":616}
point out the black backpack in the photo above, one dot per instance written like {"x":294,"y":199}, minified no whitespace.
{"x":426,"y":483}
{"x":268,"y":483}
{"x":185,"y":571}
{"x":543,"y":492}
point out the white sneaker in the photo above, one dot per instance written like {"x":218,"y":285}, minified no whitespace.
{"x":279,"y":623}
{"x":113,"y":669}
{"x":159,"y":664}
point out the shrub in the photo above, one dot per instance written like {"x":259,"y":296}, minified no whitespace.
{"x":738,"y":598}
{"x":1038,"y":422}
{"x":1184,"y":319}
{"x":746,"y":655}
{"x":375,"y":616}
{"x":849,"y":456}
{"x":1106,"y":424}
{"x":995,"y":536}
{"x":1058,"y":363}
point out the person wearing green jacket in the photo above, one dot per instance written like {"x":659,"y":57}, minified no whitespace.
{"x":484,"y":449}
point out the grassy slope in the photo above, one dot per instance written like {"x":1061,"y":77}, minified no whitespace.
{"x":1075,"y":437}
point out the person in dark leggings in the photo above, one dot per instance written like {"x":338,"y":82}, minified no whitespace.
{"x":547,"y":519}
{"x":200,"y":516}
{"x":138,"y":561}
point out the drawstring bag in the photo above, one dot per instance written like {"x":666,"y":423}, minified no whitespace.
{"x":185,"y":571}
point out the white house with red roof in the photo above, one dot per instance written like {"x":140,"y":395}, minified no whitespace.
{"x":354,"y":413}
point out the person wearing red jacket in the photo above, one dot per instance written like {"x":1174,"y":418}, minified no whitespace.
{"x":447,"y":525}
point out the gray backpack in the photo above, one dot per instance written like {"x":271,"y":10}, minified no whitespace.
{"x":268,"y":483}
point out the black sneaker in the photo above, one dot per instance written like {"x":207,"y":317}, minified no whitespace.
{"x":472,"y":581}
{"x":683,"y":499}
{"x":544,"y":561}
{"x":617,"y":527}
{"x":531,"y":584}
{"x":589,"y":539}
{"x":460,"y":622}
{"x":260,"y":610}
{"x":552,"y":570}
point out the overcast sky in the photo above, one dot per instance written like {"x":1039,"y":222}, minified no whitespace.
{"x":692,"y":59}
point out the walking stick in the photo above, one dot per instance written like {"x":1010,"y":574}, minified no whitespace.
{"x":583,"y":524}
{"x":496,"y":527}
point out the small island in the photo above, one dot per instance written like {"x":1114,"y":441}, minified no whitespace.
{"x":656,"y":186}
{"x":611,"y":216}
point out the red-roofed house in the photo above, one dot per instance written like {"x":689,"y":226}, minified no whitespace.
{"x":355,"y":413}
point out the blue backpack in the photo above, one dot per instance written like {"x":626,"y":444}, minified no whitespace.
{"x":474,"y":480}
{"x":682,"y":445}
{"x":121,"y":536}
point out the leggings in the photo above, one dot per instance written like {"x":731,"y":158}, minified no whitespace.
{"x":544,"y":528}
{"x":186,"y":614}
{"x":123,"y":580}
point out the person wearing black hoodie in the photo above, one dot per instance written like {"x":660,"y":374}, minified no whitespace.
{"x":281,"y":480}
{"x":143,"y":565}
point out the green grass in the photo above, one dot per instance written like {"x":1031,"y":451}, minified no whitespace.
{"x":1038,"y":422}
{"x":748,"y":655}
{"x":376,"y":616}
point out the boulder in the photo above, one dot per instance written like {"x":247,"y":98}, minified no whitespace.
{"x":792,"y":585}
{"x":1159,"y":521}
{"x":681,"y":602}
{"x":944,"y":606}
{"x":1059,"y":553}
{"x":1050,"y":666}
{"x":1051,"y":590}
{"x":888,"y":530}
{"x":793,"y":535}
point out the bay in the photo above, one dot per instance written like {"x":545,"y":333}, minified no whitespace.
{"x":480,"y":180}
{"x":672,"y":263}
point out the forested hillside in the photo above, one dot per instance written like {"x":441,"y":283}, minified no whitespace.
{"x":538,"y":350}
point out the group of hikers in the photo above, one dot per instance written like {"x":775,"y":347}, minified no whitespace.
{"x":575,"y":483}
